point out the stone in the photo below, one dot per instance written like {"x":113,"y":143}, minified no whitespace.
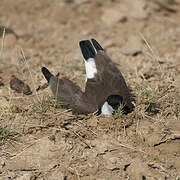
{"x":19,"y":86}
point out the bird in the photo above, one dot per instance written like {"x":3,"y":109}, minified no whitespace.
{"x":105,"y":87}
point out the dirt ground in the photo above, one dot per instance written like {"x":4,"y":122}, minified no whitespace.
{"x":39,"y":139}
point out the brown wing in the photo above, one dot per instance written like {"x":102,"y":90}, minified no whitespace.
{"x":110,"y":75}
{"x":66,"y":91}
{"x":95,"y":91}
{"x":108,"y":80}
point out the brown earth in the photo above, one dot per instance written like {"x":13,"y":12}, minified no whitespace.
{"x":41,"y":140}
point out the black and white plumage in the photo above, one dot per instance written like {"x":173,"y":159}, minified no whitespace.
{"x":105,"y":88}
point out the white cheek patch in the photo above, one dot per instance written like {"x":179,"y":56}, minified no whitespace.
{"x":106,"y":109}
{"x":90,"y":66}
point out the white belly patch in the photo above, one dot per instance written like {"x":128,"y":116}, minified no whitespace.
{"x":106,"y":109}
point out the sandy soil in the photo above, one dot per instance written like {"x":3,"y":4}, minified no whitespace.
{"x":41,"y":140}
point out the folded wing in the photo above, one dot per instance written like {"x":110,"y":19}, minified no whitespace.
{"x":66,"y":91}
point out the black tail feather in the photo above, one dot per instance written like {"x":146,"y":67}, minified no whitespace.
{"x":87,"y":49}
{"x":46,"y":73}
{"x":97,"y":45}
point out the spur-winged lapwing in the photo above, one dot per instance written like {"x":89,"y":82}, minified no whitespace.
{"x":105,"y":88}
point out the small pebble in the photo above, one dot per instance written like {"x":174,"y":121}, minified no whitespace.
{"x":19,"y":86}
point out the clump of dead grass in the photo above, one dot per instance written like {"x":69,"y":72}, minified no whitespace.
{"x":45,"y":104}
{"x":7,"y":132}
{"x":40,"y":106}
{"x":149,"y":97}
{"x":157,"y":96}
{"x":7,"y":135}
{"x":119,"y":112}
{"x":43,"y":112}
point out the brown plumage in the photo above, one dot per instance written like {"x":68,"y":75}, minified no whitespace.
{"x":104,"y":83}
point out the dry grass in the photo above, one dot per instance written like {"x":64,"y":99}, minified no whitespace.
{"x":43,"y":111}
{"x":35,"y":117}
{"x":118,"y":113}
{"x":2,"y":44}
{"x":7,"y":135}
